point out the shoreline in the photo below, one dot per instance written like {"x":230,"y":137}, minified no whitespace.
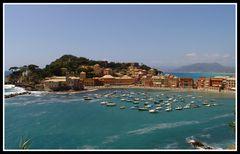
{"x":94,"y":88}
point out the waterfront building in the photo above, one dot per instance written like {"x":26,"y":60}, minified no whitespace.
{"x":57,"y":83}
{"x":97,"y":70}
{"x":164,"y":80}
{"x":97,"y":81}
{"x":230,"y":83}
{"x":75,"y":83}
{"x":147,"y":80}
{"x":207,"y":82}
{"x":186,"y":83}
{"x":124,"y":80}
{"x":201,"y":83}
{"x":216,"y":82}
{"x":157,"y":81}
{"x":173,"y":81}
{"x":83,"y":75}
{"x":108,"y":79}
{"x":107,"y":71}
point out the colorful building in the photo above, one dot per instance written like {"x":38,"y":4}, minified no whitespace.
{"x":124,"y":80}
{"x":108,"y":79}
{"x":216,"y":82}
{"x":201,"y":83}
{"x":83,"y":75}
{"x":147,"y":80}
{"x":58,"y":83}
{"x":186,"y":82}
{"x":97,"y":69}
{"x":173,"y":81}
{"x":230,"y":83}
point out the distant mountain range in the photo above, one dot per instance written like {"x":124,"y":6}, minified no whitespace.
{"x":204,"y":67}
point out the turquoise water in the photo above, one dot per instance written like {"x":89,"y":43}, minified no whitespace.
{"x":63,"y":121}
{"x":200,"y":74}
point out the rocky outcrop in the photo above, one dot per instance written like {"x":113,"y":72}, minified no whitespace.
{"x":16,"y":94}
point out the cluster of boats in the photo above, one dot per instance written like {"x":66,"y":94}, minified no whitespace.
{"x":146,"y":101}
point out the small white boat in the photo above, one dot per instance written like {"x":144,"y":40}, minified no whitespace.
{"x":135,"y":102}
{"x":167,"y":104}
{"x":148,"y":106}
{"x":158,"y":108}
{"x":146,"y":103}
{"x":179,"y":108}
{"x":205,"y":103}
{"x":111,"y":104}
{"x":103,"y":103}
{"x":186,"y":107}
{"x":122,"y":107}
{"x":136,"y":99}
{"x":208,"y":105}
{"x":168,"y":109}
{"x":152,"y":111}
{"x":143,"y":109}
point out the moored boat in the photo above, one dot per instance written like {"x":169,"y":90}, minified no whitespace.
{"x":122,"y":107}
{"x":152,"y":111}
{"x":179,"y":108}
{"x":111,"y":104}
{"x":168,"y":109}
{"x":143,"y":109}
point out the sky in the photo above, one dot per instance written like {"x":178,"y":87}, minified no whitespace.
{"x":156,"y":35}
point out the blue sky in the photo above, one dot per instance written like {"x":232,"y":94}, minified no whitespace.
{"x":156,"y":35}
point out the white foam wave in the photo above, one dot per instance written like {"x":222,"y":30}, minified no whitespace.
{"x":162,"y":126}
{"x":213,"y":127}
{"x":222,"y":116}
{"x":12,"y":89}
{"x":9,"y":86}
{"x":173,"y":145}
{"x":111,"y":139}
{"x":88,"y":147}
{"x":205,"y":135}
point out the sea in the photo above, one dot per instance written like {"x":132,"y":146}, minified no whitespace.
{"x":68,"y":121}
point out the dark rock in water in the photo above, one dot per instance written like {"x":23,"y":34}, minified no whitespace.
{"x":198,"y":144}
{"x":13,"y":95}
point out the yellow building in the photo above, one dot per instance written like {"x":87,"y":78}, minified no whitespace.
{"x":124,"y":80}
{"x":230,"y":83}
{"x":108,"y":79}
{"x":97,"y":69}
{"x":59,"y":83}
{"x":83,"y":75}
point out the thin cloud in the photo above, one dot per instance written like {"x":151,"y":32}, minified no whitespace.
{"x":191,"y":54}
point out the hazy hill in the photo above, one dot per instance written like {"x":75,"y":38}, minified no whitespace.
{"x":205,"y":67}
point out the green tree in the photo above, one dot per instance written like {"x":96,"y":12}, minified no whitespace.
{"x":13,"y":69}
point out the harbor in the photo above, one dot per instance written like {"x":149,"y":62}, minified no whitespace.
{"x":120,"y":118}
